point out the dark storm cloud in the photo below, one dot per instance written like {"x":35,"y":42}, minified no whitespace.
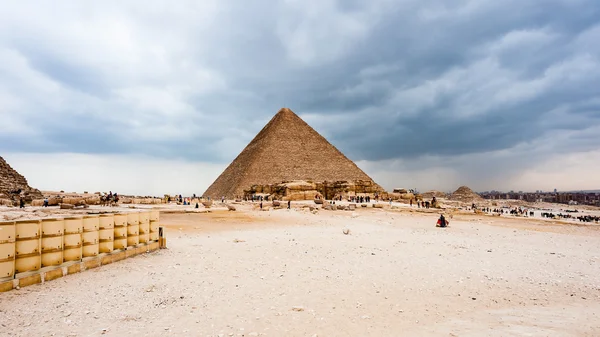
{"x":382,"y":80}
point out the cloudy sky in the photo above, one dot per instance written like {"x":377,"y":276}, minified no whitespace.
{"x":158,"y":97}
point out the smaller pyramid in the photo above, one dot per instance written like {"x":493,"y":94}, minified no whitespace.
{"x":465,"y":194}
{"x":13,"y":185}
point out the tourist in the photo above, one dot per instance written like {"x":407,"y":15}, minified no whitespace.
{"x":289,"y":204}
{"x":45,"y":202}
{"x":442,"y":221}
{"x":21,"y":203}
{"x":261,"y":205}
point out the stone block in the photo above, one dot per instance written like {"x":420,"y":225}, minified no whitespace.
{"x":53,"y":274}
{"x":118,"y":256}
{"x":28,"y":280}
{"x":74,"y":268}
{"x":106,"y":259}
{"x":91,"y":263}
{"x":6,"y":285}
{"x":131,"y":251}
{"x":152,"y":246}
{"x":141,"y":249}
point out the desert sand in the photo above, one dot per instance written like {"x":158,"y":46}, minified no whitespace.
{"x":295,"y":273}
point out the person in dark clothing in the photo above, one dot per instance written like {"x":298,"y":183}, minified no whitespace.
{"x":289,"y":204}
{"x":442,"y":221}
{"x":21,"y":203}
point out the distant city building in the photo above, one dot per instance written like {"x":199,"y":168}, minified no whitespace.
{"x":572,"y":198}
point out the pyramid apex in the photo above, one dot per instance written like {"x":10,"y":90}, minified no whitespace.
{"x":284,"y":111}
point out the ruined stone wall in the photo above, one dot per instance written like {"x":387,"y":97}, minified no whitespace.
{"x":307,"y":190}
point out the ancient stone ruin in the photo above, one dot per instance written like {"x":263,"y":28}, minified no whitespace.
{"x":434,"y":193}
{"x":290,"y":160}
{"x":307,"y":190}
{"x":14,"y":186}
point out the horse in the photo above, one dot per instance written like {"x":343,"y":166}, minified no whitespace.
{"x":104,"y":200}
{"x":108,"y":200}
{"x":115,"y":200}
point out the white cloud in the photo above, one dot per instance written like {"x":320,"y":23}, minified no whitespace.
{"x":318,"y":31}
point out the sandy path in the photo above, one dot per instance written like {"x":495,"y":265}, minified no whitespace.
{"x":394,"y":275}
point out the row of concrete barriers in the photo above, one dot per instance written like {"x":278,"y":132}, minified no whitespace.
{"x":30,"y":249}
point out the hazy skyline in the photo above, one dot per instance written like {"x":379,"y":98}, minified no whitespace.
{"x":160,"y":97}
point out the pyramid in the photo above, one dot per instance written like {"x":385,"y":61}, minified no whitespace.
{"x":465,"y":194}
{"x":12,"y":184}
{"x":286,"y":149}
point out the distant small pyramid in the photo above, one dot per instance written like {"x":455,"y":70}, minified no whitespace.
{"x":286,"y":149}
{"x":12,"y":184}
{"x":465,"y":194}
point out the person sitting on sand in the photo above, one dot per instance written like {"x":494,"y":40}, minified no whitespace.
{"x":442,"y":221}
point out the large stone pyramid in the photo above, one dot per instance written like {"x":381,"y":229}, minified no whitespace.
{"x":286,"y":149}
{"x":13,"y":185}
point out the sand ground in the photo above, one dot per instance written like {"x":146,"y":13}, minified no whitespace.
{"x":294,"y":273}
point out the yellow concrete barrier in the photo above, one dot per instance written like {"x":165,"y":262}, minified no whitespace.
{"x":132,"y":240}
{"x":133,"y":219}
{"x":27,"y":246}
{"x":144,"y":228}
{"x":133,"y":229}
{"x":52,"y":242}
{"x":72,"y":243}
{"x":120,"y":220}
{"x":106,"y":242}
{"x":8,"y":231}
{"x":154,"y":231}
{"x":144,"y":217}
{"x":90,"y":236}
{"x":154,"y":215}
{"x":144,"y":238}
{"x":107,"y":221}
{"x":7,"y":255}
{"x":73,"y":224}
{"x":91,"y":223}
{"x":120,"y":231}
